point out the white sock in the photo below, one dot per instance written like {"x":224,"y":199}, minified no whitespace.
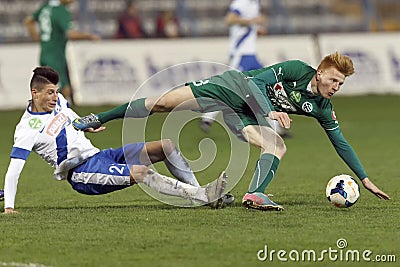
{"x":275,"y":126}
{"x":168,"y":186}
{"x":179,"y":168}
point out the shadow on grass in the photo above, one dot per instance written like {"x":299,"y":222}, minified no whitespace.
{"x":118,"y":206}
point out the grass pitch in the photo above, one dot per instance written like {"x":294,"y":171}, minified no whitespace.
{"x":57,"y":226}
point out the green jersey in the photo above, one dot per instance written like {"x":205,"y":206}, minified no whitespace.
{"x":54,"y":21}
{"x":287,"y":87}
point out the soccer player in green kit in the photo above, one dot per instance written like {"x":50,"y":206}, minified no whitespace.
{"x":245,"y":98}
{"x":54,"y":21}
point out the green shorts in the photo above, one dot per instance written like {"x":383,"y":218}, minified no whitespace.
{"x":61,"y":67}
{"x":236,"y":111}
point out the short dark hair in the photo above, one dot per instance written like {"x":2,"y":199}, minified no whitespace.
{"x":42,"y":76}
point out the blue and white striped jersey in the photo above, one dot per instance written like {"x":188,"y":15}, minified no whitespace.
{"x":51,"y":136}
{"x":243,"y":38}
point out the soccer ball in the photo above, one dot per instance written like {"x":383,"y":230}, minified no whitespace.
{"x":342,"y":191}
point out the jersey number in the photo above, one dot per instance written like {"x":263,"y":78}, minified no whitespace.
{"x":200,"y":82}
{"x":45,"y":25}
{"x":119,"y":169}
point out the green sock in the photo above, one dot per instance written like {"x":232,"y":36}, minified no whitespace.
{"x":134,"y":109}
{"x":264,"y":173}
{"x":112,"y":114}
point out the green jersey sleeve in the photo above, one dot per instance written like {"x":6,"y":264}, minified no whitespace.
{"x":291,"y":70}
{"x":63,"y":19}
{"x":35,"y":14}
{"x":327,"y":119}
{"x":346,"y":152}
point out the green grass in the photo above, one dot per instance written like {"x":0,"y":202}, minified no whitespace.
{"x":58,"y":227}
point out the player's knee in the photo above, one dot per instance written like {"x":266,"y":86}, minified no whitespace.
{"x":274,"y":144}
{"x":138,"y":173}
{"x":163,"y":104}
{"x":280,"y":147}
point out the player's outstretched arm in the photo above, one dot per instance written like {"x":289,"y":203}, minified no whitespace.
{"x":374,"y":189}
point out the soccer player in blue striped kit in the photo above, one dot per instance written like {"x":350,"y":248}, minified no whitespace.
{"x":46,"y":128}
{"x":245,"y":22}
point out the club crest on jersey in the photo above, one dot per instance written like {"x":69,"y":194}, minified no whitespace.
{"x":35,"y":123}
{"x":57,"y":124}
{"x":334,"y":116}
{"x":307,"y":107}
{"x":295,"y":96}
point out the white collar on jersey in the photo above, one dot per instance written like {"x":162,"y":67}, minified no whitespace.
{"x":54,"y":2}
{"x":309,"y":89}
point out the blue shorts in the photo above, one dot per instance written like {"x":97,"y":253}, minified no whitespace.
{"x":106,"y":171}
{"x":245,"y":62}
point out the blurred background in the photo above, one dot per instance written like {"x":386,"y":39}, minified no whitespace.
{"x":206,"y":18}
{"x":143,"y":37}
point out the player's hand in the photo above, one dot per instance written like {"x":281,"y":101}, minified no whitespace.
{"x":259,"y":20}
{"x":9,"y":210}
{"x":95,"y":37}
{"x":91,"y":130}
{"x":262,"y":30}
{"x":282,"y":117}
{"x":374,"y":189}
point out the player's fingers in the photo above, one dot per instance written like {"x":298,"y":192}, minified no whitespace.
{"x":100,"y":129}
{"x":384,"y":196}
{"x":281,"y":122}
{"x":285,"y":121}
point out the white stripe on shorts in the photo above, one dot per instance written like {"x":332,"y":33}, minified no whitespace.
{"x":100,"y":178}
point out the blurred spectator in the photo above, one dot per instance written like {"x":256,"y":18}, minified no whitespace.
{"x":130,"y":24}
{"x":167,"y":25}
{"x":187,"y":25}
{"x":86,"y":18}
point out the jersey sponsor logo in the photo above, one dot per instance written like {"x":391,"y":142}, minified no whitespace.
{"x":295,"y":96}
{"x":35,"y":123}
{"x":279,"y":98}
{"x":279,"y":86}
{"x":57,"y":124}
{"x":307,"y":107}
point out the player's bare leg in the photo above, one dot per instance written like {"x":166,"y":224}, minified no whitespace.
{"x":181,"y":98}
{"x":273,"y":149}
